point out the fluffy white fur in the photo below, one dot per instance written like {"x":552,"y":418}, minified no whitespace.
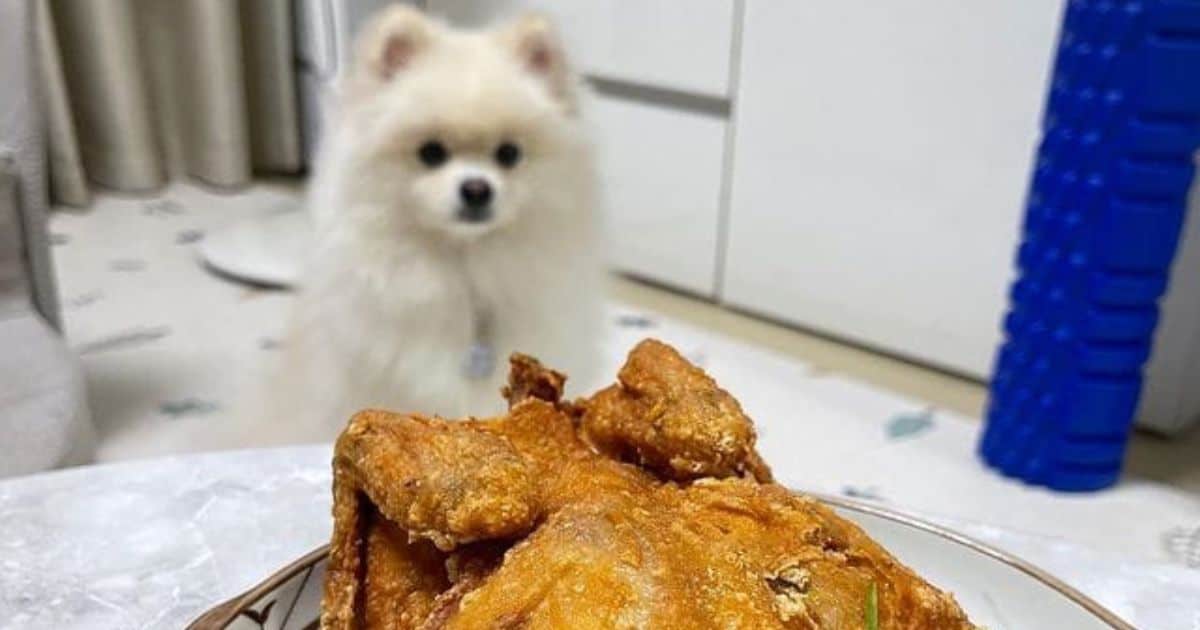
{"x":386,"y":318}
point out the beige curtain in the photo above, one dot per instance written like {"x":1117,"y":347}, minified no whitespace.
{"x":139,"y":91}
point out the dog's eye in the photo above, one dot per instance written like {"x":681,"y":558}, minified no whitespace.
{"x":433,"y":154}
{"x":508,"y":154}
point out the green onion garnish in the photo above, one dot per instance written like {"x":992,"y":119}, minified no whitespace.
{"x":872,"y":614}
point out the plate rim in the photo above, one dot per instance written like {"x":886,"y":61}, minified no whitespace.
{"x":222,"y":614}
{"x":1024,"y":566}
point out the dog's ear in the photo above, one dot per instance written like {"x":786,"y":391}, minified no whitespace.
{"x":539,"y":50}
{"x":391,"y":41}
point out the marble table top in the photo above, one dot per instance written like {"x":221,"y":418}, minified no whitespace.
{"x":151,"y":544}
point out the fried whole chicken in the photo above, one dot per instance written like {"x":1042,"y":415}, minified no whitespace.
{"x":645,"y":506}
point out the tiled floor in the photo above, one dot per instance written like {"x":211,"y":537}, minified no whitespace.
{"x":166,"y":346}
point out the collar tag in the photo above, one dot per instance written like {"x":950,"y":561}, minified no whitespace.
{"x":480,"y":361}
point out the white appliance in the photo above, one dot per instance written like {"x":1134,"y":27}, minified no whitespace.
{"x":1171,"y":394}
{"x":325,"y":30}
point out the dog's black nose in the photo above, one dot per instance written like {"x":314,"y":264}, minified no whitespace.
{"x":475,"y":192}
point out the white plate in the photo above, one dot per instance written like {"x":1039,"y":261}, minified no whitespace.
{"x":267,"y":249}
{"x":997,"y":590}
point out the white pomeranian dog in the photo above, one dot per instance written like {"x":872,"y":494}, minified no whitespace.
{"x":456,"y":222}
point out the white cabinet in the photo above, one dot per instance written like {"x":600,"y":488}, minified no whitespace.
{"x":662,"y":170}
{"x":680,"y":45}
{"x":882,"y":152}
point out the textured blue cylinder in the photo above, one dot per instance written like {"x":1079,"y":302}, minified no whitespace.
{"x":1106,"y":204}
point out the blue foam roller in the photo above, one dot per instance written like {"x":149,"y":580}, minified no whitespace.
{"x":1103,"y":216}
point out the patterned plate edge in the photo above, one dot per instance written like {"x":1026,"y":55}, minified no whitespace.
{"x":220,"y":616}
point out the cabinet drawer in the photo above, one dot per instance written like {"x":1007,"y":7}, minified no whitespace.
{"x":676,"y":44}
{"x":662,"y":189}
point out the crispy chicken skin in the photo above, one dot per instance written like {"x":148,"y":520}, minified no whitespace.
{"x":669,"y":416}
{"x":645,"y":506}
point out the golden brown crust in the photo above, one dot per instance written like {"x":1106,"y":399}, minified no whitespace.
{"x":402,"y":580}
{"x":528,"y":378}
{"x":467,"y":568}
{"x":669,"y":416}
{"x":343,"y":575}
{"x":444,"y":481}
{"x":574,"y":536}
